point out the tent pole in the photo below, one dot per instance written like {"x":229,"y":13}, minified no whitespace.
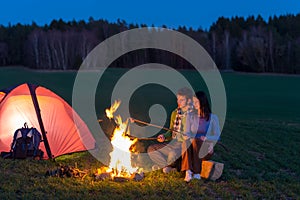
{"x":39,"y":117}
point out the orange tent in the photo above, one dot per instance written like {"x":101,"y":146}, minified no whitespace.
{"x":49,"y":113}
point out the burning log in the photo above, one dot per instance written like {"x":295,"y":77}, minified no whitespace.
{"x":101,"y":176}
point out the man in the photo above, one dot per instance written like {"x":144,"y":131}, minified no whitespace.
{"x":164,"y":154}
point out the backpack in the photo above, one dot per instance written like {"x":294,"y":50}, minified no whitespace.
{"x":26,"y":142}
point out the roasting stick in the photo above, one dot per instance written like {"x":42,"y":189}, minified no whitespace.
{"x":149,"y":124}
{"x":134,"y":137}
{"x":154,"y":125}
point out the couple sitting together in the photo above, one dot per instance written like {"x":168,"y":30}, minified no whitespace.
{"x":195,"y":130}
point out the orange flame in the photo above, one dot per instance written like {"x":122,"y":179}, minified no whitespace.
{"x":120,"y":163}
{"x":110,"y":112}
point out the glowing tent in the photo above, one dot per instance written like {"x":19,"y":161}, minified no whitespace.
{"x":50,"y":114}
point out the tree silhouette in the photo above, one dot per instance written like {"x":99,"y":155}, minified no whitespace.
{"x":241,"y":44}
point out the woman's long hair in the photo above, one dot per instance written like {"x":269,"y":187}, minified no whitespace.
{"x":205,"y":110}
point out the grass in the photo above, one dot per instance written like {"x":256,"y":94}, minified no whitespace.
{"x":261,"y":130}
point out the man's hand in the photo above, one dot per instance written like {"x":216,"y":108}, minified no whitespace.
{"x":131,"y":120}
{"x":161,"y":138}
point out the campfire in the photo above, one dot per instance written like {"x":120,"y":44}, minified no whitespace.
{"x":120,"y":167}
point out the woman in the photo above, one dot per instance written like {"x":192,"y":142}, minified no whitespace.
{"x":202,"y":131}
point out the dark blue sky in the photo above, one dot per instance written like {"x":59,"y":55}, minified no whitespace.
{"x":195,"y":13}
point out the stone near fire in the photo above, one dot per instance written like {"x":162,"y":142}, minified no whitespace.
{"x":103,"y":176}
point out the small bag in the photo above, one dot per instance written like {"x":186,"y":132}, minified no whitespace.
{"x":211,"y":170}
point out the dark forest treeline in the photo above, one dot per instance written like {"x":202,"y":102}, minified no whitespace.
{"x":250,"y":44}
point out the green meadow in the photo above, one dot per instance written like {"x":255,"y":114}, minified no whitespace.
{"x":262,"y":132}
